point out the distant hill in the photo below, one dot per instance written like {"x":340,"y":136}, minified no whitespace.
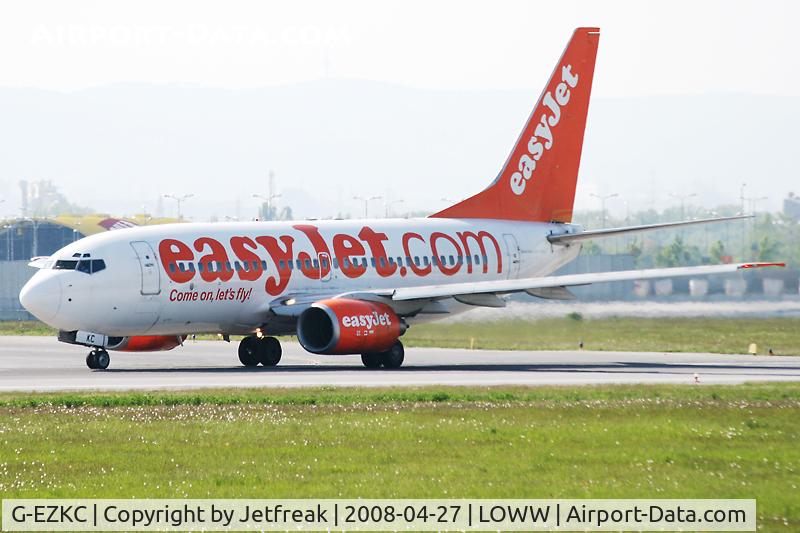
{"x":116,"y":148}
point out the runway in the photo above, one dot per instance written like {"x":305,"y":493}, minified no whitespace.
{"x":44,"y":364}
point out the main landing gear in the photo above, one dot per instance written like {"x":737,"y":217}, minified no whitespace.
{"x":98,"y":359}
{"x":391,"y":358}
{"x":259,"y":350}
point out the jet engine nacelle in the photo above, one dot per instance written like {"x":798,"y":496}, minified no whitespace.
{"x":342,"y":326}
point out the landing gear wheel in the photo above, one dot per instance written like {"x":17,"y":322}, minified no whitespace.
{"x":102,"y":359}
{"x":269,"y":351}
{"x":394,"y":356}
{"x":371,"y":360}
{"x":98,"y":360}
{"x":248,"y":351}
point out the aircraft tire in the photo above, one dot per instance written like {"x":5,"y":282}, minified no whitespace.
{"x":91,"y":360}
{"x":394,"y":356}
{"x":248,"y":351}
{"x":102,"y":359}
{"x":371,"y":360}
{"x":269,"y":351}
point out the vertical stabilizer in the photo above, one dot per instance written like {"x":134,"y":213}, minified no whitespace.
{"x":537,"y":182}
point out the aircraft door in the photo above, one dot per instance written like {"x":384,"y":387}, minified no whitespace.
{"x":151,"y":277}
{"x":326,"y":267}
{"x":512,"y":255}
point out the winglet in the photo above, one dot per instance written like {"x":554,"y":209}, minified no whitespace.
{"x":760,"y":265}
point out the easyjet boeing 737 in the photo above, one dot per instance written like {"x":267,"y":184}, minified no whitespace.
{"x":344,"y":286}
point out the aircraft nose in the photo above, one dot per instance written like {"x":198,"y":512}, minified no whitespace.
{"x":41,"y":296}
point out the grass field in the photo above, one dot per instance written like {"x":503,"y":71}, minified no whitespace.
{"x":603,"y":442}
{"x":715,"y":335}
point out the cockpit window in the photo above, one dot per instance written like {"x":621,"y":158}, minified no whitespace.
{"x":87,"y":266}
{"x":65,"y":264}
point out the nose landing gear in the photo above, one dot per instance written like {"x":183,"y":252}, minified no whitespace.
{"x":259,"y":350}
{"x":98,"y":359}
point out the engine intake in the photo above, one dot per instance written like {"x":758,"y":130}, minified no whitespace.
{"x":342,"y":326}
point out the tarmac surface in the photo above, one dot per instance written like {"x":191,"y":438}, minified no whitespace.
{"x":44,"y":364}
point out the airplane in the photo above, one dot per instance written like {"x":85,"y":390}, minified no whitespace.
{"x":346,"y":286}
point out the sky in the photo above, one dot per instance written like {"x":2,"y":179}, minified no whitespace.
{"x":647,"y":47}
{"x":649,"y":51}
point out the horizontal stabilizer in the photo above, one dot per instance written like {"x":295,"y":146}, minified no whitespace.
{"x":569,"y":238}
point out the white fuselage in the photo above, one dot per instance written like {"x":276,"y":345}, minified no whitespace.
{"x":223,"y":277}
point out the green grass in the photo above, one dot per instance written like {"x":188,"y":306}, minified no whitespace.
{"x":715,"y":335}
{"x":571,"y":442}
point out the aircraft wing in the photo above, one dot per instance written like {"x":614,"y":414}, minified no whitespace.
{"x":569,"y":280}
{"x":411,"y":300}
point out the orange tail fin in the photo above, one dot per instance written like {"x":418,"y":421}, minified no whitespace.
{"x":537,"y":182}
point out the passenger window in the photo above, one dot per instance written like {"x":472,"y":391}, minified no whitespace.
{"x":315,"y":262}
{"x":219,"y":266}
{"x":416,"y":260}
{"x":324,"y":262}
{"x":181,"y":267}
{"x":391,"y":261}
{"x":299,"y":264}
{"x":308,"y":264}
{"x":460,"y":259}
{"x":191,"y":267}
{"x":372,"y":260}
{"x":469,"y":259}
{"x":425,"y":260}
{"x":383,"y":262}
{"x":237,"y":266}
{"x":442,"y":261}
{"x":485,"y":259}
{"x":335,"y":263}
{"x":199,"y":267}
{"x":228,"y":266}
{"x":399,"y":261}
{"x":172,"y":267}
{"x":477,"y":260}
{"x":281,"y":264}
{"x":364,"y":262}
{"x":346,"y":263}
{"x":452,"y":261}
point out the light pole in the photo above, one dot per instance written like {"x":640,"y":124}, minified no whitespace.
{"x":683,"y":198}
{"x":387,"y":206}
{"x":741,"y":196}
{"x":603,"y":199}
{"x":366,"y":202}
{"x":268,"y":200}
{"x":179,"y":200}
{"x":753,"y":201}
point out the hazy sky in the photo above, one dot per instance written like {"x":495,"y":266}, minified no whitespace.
{"x":646,"y":47}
